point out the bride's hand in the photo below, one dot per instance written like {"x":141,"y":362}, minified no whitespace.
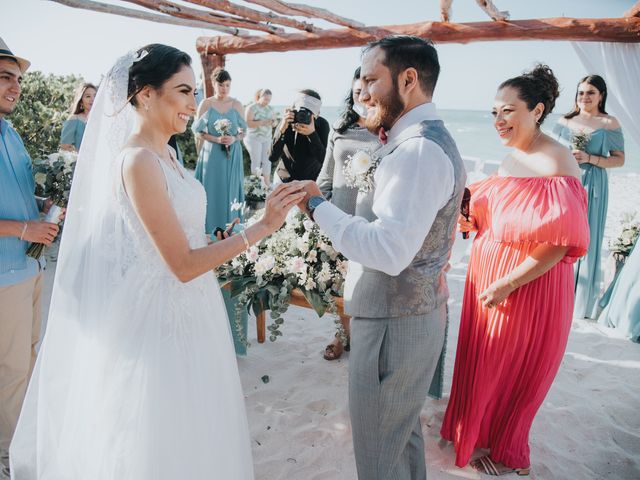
{"x":465,"y":225}
{"x":280,"y":201}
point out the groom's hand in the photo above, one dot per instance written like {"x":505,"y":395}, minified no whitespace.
{"x":312,"y":190}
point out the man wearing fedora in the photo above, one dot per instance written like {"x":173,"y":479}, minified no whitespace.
{"x":20,"y":275}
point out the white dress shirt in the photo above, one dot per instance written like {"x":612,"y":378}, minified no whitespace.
{"x":411,"y":185}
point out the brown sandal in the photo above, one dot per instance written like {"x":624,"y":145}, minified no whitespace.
{"x":489,"y":467}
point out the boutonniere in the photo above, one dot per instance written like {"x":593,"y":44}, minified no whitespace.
{"x":359,"y":170}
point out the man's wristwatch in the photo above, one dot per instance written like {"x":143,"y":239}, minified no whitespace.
{"x":313,"y":203}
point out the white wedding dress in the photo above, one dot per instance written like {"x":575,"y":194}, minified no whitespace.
{"x":154,"y":391}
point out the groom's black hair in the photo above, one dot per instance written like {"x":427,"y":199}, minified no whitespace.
{"x":159,"y":64}
{"x":407,"y":51}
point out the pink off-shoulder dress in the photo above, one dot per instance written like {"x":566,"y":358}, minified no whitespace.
{"x":508,"y":356}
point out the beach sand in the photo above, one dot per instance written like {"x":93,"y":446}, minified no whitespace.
{"x":588,"y":427}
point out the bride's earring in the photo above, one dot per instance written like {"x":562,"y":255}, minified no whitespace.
{"x":146,"y":107}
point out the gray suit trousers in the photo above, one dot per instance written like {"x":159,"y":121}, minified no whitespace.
{"x":391,"y":365}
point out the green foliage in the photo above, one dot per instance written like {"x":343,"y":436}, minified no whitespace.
{"x":42,"y":109}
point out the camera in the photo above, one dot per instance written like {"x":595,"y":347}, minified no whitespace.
{"x":303,"y":116}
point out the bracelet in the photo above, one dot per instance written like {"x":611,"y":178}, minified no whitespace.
{"x":598,"y":163}
{"x":24,"y":230}
{"x":247,"y":245}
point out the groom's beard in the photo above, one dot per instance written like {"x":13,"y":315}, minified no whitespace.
{"x":386,"y":112}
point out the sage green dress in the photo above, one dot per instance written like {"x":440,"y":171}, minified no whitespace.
{"x":221,"y":173}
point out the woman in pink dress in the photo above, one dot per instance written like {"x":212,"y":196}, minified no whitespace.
{"x":531,"y":223}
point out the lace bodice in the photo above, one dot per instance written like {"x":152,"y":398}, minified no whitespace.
{"x":188,"y":200}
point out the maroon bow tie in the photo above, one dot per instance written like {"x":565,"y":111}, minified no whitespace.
{"x":382,"y":136}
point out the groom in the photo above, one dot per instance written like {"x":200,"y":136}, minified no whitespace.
{"x":398,"y":245}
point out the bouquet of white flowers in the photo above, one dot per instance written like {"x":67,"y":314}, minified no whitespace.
{"x":623,"y":244}
{"x":53,"y":176}
{"x":223,"y":127}
{"x":299,"y":256}
{"x":579,"y":140}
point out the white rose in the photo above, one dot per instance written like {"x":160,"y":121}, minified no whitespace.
{"x":360,"y":162}
{"x":264,"y":264}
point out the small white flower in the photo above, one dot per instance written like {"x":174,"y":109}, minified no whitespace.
{"x":360,"y":162}
{"x":308,"y":225}
{"x":312,"y":256}
{"x":252,"y":254}
{"x":310,"y":284}
{"x":297,"y":265}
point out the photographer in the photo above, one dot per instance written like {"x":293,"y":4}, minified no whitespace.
{"x":300,"y":141}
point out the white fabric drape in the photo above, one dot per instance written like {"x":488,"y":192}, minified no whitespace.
{"x":619,"y":65}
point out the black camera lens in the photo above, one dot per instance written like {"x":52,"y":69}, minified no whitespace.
{"x":302,"y":116}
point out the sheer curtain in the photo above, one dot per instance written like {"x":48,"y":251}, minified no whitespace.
{"x":619,"y":64}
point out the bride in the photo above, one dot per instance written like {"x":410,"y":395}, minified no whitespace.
{"x":137,"y":376}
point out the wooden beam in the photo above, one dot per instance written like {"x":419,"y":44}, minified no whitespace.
{"x":152,"y":17}
{"x":179,"y":11}
{"x":250,"y":14}
{"x":209,"y":64}
{"x":297,"y":9}
{"x":634,"y":11}
{"x":626,"y":30}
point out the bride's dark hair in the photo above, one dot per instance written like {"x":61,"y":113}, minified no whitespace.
{"x":158,"y":65}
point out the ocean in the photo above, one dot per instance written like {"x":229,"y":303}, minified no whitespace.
{"x":477,"y":139}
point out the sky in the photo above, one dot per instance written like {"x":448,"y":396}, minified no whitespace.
{"x":64,"y":40}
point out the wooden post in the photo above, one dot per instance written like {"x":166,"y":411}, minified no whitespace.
{"x":209,"y":63}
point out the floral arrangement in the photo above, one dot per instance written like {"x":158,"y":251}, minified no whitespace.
{"x":623,"y":244}
{"x":53,"y":176}
{"x":580,"y":140}
{"x":255,"y":190}
{"x":299,"y":256}
{"x":359,"y":170}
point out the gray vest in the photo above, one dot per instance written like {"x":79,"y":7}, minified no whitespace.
{"x":421,"y":287}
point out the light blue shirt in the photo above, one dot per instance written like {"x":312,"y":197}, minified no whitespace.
{"x":17,"y":202}
{"x":412,"y":184}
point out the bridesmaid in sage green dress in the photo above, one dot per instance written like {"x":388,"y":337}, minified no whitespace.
{"x":597,"y":144}
{"x":220,"y":170}
{"x":623,"y":309}
{"x":73,"y":127}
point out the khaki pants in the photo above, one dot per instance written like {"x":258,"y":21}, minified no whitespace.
{"x":19,"y":336}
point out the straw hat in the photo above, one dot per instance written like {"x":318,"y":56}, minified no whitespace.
{"x":6,"y":53}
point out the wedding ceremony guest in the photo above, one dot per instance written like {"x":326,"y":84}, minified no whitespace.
{"x":300,"y":140}
{"x":20,"y":275}
{"x":349,"y":135}
{"x":260,"y":122}
{"x":220,"y":169}
{"x":73,"y":127}
{"x":531,"y":223}
{"x":398,"y":244}
{"x":601,"y":148}
{"x":137,"y":377}
{"x":622,"y":311}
